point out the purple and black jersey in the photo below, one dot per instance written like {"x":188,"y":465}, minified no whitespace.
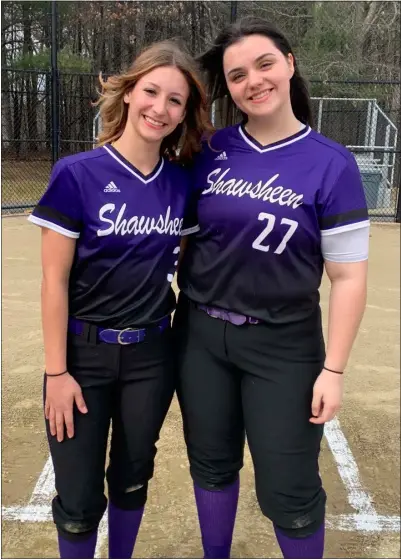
{"x":128,"y":231}
{"x":258,"y":219}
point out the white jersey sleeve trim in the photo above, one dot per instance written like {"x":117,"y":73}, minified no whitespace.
{"x":57,"y":228}
{"x":349,"y":227}
{"x":190,"y":230}
{"x":347,"y":245}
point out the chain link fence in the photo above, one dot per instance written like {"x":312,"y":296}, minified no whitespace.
{"x":47,"y":111}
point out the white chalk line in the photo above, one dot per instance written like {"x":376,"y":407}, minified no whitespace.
{"x":340,"y":522}
{"x":101,"y":535}
{"x":358,"y":498}
{"x":44,"y":488}
{"x":365,"y":519}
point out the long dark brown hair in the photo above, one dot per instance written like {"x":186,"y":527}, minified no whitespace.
{"x":211,"y":63}
{"x":186,"y":138}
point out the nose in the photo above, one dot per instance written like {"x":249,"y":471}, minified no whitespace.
{"x":160,"y":105}
{"x":254,"y":79}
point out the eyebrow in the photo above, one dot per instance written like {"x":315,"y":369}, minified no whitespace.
{"x":257,"y":60}
{"x":158,"y":87}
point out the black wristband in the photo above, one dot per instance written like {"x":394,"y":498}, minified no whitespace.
{"x":57,"y":374}
{"x":332,"y":371}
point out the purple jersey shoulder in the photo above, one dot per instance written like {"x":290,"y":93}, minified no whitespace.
{"x":81,"y":157}
{"x":328,"y":148}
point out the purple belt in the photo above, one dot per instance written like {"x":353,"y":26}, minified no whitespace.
{"x":229,"y":316}
{"x":125,"y":336}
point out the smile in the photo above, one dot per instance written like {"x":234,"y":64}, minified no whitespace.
{"x":261,"y":96}
{"x":154,"y":123}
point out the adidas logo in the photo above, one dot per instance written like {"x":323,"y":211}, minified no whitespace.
{"x":111,"y":187}
{"x":221,"y":157}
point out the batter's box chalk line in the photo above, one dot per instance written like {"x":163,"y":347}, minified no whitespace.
{"x":364,"y":519}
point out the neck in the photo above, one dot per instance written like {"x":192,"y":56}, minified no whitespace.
{"x":274,"y":128}
{"x":143,"y":155}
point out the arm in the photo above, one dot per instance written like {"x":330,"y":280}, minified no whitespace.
{"x":344,"y":226}
{"x":61,"y":391}
{"x":57,"y":257}
{"x":346,"y":308}
{"x":346,"y":262}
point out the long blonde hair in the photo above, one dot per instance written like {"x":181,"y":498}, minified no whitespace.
{"x":114,"y":111}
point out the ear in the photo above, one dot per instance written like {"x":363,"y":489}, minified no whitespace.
{"x":127,"y":97}
{"x":291,"y":63}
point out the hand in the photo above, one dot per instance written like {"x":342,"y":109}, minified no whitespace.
{"x":327,"y":397}
{"x":61,"y":392}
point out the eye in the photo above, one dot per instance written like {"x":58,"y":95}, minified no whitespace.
{"x":238,"y":77}
{"x":175,"y":101}
{"x":265,"y":65}
{"x":150,"y":91}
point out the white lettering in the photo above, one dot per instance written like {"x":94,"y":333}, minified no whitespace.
{"x":104,"y":209}
{"x":261,"y":190}
{"x":137,"y":225}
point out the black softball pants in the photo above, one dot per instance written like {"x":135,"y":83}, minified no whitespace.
{"x":254,"y":381}
{"x":130,"y":387}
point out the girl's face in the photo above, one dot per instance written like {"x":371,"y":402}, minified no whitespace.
{"x":258,"y":76}
{"x":157,"y":103}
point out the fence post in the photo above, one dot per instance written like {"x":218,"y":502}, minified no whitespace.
{"x":398,"y":214}
{"x":55,"y":85}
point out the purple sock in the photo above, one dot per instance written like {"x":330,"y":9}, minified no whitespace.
{"x":311,"y":547}
{"x":216,"y":513}
{"x":123,"y":531}
{"x":78,"y":549}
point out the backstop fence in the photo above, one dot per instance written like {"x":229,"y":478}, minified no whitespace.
{"x":52,"y":56}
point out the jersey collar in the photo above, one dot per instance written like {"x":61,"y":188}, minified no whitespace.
{"x":280,"y":144}
{"x":131,"y":168}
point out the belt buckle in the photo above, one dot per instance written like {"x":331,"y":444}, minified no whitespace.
{"x":236,"y":319}
{"x":121,"y":332}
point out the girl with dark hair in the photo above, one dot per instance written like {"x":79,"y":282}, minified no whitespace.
{"x":276,"y":203}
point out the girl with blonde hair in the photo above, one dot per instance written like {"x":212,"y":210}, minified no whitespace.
{"x":111,"y":222}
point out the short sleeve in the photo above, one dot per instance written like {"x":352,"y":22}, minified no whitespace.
{"x":60,"y":207}
{"x":190,"y":222}
{"x":343,"y":206}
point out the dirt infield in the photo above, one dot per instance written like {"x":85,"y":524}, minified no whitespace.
{"x":360,"y":459}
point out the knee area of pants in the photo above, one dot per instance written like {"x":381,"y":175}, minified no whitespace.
{"x":76,"y":531}
{"x":301,"y":531}
{"x":213,"y":483}
{"x":301,"y":526}
{"x":133,"y":497}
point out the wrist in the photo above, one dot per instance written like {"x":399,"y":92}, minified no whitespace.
{"x":335,"y":362}
{"x":55,"y":371}
{"x":334,"y":371}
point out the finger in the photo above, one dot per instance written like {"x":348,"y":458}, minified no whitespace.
{"x":69,"y":423}
{"x":52,"y":421}
{"x":326,"y":415}
{"x":60,"y":425}
{"x":47,"y":409}
{"x":80,"y":402}
{"x":316,"y":404}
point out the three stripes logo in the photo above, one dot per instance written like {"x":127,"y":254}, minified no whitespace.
{"x":221,"y":157}
{"x":111,"y":187}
